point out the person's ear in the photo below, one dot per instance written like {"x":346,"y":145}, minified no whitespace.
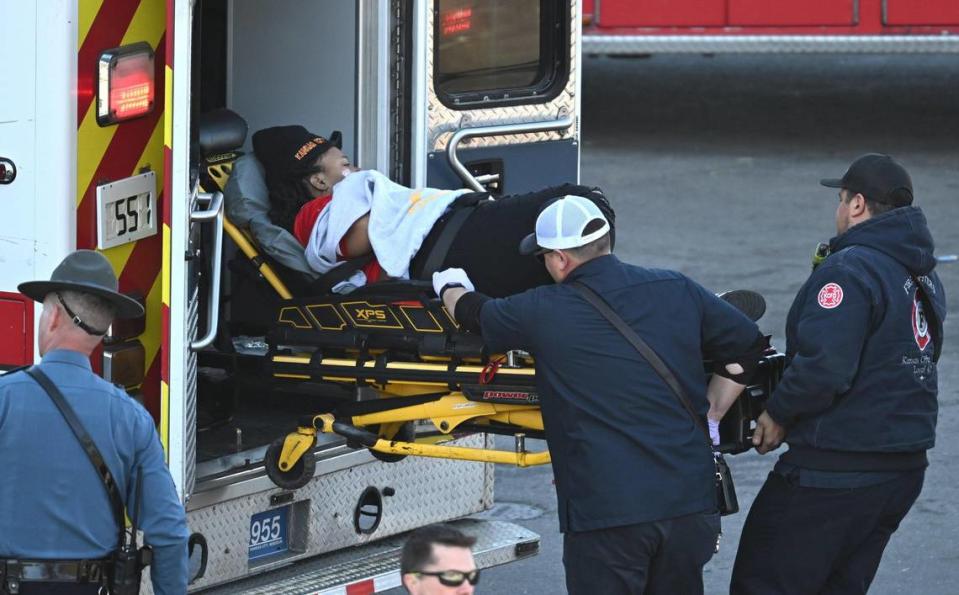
{"x":318,"y":181}
{"x":564,"y":260}
{"x":409,"y":581}
{"x":55,"y":318}
{"x":857,"y":205}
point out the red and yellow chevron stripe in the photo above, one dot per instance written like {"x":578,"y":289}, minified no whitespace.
{"x":123,"y":150}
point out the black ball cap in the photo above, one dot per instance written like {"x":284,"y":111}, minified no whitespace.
{"x":290,"y":151}
{"x":877,"y":177}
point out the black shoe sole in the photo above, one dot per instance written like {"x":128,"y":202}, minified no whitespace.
{"x":750,"y":303}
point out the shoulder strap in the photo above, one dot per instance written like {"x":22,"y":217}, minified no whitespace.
{"x":932,"y":319}
{"x":445,"y":240}
{"x":647,"y":353}
{"x":338,"y":274}
{"x":87,"y":443}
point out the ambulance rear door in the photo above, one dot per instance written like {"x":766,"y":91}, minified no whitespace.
{"x":495,"y":95}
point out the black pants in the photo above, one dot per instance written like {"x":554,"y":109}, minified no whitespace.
{"x":487,"y":245}
{"x":662,"y":557}
{"x":815,"y":540}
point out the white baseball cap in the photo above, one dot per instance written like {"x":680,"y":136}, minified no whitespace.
{"x":560,"y":225}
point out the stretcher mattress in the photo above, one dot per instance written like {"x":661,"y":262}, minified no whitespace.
{"x":401,"y":316}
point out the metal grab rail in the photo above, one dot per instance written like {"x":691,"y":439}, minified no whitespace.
{"x":214,"y":213}
{"x":499,"y":130}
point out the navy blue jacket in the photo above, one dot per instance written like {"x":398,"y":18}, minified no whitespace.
{"x":624,"y":450}
{"x":860,"y":378}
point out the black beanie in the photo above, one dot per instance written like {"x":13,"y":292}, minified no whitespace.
{"x":290,"y":151}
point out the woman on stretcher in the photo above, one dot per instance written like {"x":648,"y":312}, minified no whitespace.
{"x":340,"y":213}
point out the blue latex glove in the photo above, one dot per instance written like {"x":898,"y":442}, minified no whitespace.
{"x":713,"y":430}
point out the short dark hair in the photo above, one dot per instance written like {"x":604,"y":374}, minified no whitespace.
{"x":597,"y":247}
{"x":418,"y":549}
{"x":899,"y":196}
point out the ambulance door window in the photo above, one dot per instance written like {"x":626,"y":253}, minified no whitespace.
{"x":502,"y":105}
{"x":496,"y":52}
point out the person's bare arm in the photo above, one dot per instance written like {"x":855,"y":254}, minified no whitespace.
{"x":357,"y":238}
{"x":721,"y":394}
{"x":451,"y":296}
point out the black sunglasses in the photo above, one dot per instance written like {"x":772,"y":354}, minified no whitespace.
{"x":453,"y":578}
{"x":541,"y":254}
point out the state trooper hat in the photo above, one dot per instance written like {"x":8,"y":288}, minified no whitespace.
{"x":85,"y":271}
{"x":562,"y":225}
{"x":877,"y":177}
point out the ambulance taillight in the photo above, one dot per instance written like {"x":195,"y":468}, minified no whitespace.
{"x":123,"y":353}
{"x":125,"y":87}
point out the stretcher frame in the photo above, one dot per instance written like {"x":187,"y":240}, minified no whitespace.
{"x":446,"y":412}
{"x":451,"y":387}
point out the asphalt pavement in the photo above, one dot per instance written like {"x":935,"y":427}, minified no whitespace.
{"x":712,"y":164}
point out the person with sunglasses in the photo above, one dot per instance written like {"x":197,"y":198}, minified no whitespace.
{"x":437,"y":560}
{"x":635,"y":478}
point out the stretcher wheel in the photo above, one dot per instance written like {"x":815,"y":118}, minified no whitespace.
{"x":406,"y":433}
{"x":298,"y":476}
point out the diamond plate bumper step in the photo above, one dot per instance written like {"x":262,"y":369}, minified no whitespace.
{"x":375,"y":567}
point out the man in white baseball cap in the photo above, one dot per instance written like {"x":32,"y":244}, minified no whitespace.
{"x":635,"y":479}
{"x":569,"y":223}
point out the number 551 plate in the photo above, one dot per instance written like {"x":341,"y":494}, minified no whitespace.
{"x":126,"y":210}
{"x":268,"y":532}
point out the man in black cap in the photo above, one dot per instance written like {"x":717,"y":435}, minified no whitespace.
{"x":858,"y":400}
{"x":57,"y":511}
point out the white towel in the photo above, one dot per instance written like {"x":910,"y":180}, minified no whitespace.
{"x":400,"y":219}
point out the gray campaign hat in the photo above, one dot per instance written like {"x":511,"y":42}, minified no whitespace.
{"x":86,"y":271}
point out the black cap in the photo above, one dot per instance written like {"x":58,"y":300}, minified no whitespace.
{"x":290,"y":151}
{"x":877,"y":177}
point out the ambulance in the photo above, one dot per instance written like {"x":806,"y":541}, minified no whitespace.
{"x":106,"y":144}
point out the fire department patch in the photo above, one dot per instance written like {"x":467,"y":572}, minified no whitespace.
{"x":920,"y":328}
{"x":830,"y":296}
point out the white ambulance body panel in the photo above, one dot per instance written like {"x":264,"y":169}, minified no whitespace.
{"x":37,"y":134}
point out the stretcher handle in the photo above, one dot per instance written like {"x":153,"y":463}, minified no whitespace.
{"x":213,"y":214}
{"x":498,"y":130}
{"x":350,"y":432}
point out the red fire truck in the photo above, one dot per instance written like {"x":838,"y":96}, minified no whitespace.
{"x":635,"y":27}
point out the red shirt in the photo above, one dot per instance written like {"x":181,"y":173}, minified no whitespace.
{"x":303,"y":227}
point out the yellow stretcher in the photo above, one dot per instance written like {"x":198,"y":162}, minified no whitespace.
{"x":432,"y":381}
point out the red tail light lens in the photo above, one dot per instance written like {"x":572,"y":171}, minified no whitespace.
{"x":126,"y":87}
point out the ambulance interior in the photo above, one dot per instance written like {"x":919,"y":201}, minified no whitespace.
{"x":340,"y":66}
{"x":273,"y":63}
